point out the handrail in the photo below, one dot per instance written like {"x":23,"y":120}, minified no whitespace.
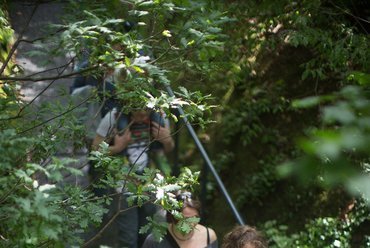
{"x":207,"y":160}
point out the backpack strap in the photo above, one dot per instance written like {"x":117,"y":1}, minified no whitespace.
{"x":208,"y":238}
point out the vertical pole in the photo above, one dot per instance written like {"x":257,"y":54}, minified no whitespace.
{"x":176,"y":167}
{"x":207,"y":161}
{"x":203,"y":190}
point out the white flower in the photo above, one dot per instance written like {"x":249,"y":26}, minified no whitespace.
{"x":160,"y":194}
{"x":46,"y":187}
{"x":35,"y":184}
{"x":159,"y":177}
{"x":141,"y":60}
{"x":336,"y":243}
{"x":150,"y":105}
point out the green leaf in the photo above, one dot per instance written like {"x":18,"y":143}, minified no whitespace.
{"x":74,"y":171}
{"x":138,"y":13}
{"x":196,"y":32}
{"x":51,"y":233}
{"x":340,"y":112}
{"x":23,"y":175}
{"x":306,"y":102}
{"x":25,"y":204}
{"x":360,"y":77}
{"x":104,"y":30}
{"x":127,"y":61}
{"x":360,"y":185}
{"x":285,"y":170}
{"x":138,"y":69}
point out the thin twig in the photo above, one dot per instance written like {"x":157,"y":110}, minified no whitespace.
{"x":43,"y":90}
{"x":106,"y":225}
{"x":42,"y":38}
{"x":51,"y":69}
{"x":111,"y":220}
{"x":55,"y":117}
{"x":3,"y":199}
{"x":27,"y":78}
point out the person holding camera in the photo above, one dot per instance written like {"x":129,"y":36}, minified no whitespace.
{"x":135,"y":136}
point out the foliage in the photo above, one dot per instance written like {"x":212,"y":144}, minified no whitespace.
{"x":256,"y":58}
{"x":279,"y":52}
{"x":245,"y":121}
{"x":110,"y":46}
{"x":338,"y":152}
{"x":321,"y":232}
{"x":35,"y":213}
{"x":6,"y":39}
{"x":38,"y":205}
{"x":258,"y":185}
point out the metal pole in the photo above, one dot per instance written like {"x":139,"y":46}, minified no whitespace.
{"x":176,"y":170}
{"x":203,"y":191}
{"x":207,"y":160}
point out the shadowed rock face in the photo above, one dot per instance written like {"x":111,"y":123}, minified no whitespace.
{"x":20,"y":13}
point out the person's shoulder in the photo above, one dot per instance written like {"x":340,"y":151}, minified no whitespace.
{"x":212,"y":234}
{"x":106,"y":123}
{"x":111,"y":114}
{"x":149,"y":241}
{"x":150,"y":237}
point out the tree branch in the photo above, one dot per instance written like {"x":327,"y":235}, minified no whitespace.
{"x":51,"y":69}
{"x":106,"y":225}
{"x":42,"y":91}
{"x":14,"y":47}
{"x":42,"y":38}
{"x":110,"y":221}
{"x":27,"y":78}
{"x":3,"y":199}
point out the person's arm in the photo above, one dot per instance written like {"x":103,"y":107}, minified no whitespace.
{"x":163,"y":135}
{"x":120,"y":142}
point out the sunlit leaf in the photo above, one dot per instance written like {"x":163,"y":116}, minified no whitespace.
{"x":306,"y":102}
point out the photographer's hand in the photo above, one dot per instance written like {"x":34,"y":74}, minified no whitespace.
{"x":121,"y":141}
{"x":163,"y":135}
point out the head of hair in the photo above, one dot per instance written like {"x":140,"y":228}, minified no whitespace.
{"x":187,"y":200}
{"x":241,"y":236}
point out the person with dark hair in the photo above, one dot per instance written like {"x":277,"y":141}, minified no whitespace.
{"x":244,"y":237}
{"x":199,"y":237}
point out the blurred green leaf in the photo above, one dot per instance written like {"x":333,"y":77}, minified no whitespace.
{"x":306,"y":102}
{"x":341,"y":112}
{"x":360,"y":185}
{"x":360,"y":77}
